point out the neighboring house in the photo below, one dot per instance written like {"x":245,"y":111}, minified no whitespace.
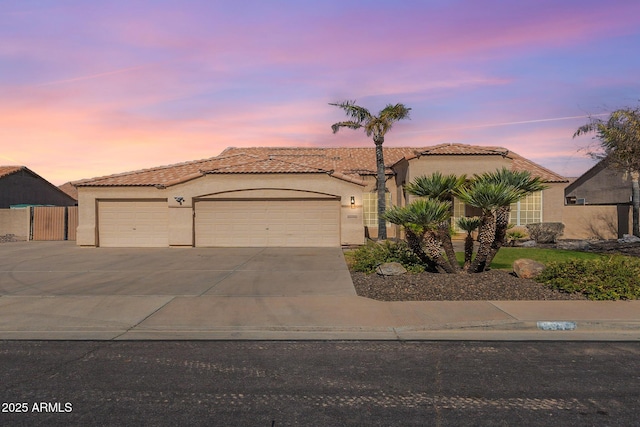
{"x":51,"y":216}
{"x":268,"y":196}
{"x":21,"y":186}
{"x":598,"y":203}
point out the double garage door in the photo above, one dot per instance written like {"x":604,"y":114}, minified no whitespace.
{"x":225,"y":223}
{"x":267,"y":223}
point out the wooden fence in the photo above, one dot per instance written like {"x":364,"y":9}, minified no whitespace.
{"x":53,"y":223}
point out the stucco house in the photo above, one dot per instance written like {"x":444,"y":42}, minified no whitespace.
{"x":598,"y":203}
{"x":266,"y":196}
{"x":21,"y":186}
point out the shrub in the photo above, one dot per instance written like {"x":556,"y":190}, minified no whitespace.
{"x":366,"y":258}
{"x":516,"y":233}
{"x":606,"y":278}
{"x":545,"y":232}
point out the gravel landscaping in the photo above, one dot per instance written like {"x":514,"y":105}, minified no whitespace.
{"x":494,"y":285}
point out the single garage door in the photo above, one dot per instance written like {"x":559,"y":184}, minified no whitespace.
{"x":259,"y":223}
{"x":134,"y":224}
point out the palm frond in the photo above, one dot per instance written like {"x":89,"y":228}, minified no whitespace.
{"x":520,"y":180}
{"x":357,"y":113}
{"x":422,"y":214}
{"x":351,"y":125}
{"x":469,"y":223}
{"x":393,"y":113}
{"x":489,"y":196}
{"x":436,"y":185}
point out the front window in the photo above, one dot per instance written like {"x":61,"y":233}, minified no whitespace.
{"x":370,"y":208}
{"x":527,"y":210}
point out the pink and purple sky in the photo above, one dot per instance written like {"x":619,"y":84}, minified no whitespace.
{"x":90,"y":88}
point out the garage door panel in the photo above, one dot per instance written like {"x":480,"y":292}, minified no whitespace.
{"x":294,"y":223}
{"x":133,"y":224}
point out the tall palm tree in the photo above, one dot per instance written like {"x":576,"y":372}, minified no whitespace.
{"x":488,"y":196}
{"x":439,"y":187}
{"x":519,"y":180}
{"x":376,"y":127}
{"x":620,"y":145}
{"x":420,"y":220}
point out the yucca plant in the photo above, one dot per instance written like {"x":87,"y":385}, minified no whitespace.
{"x":420,"y":220}
{"x":488,"y":196}
{"x":468,"y":224}
{"x":521,"y":181}
{"x":439,"y":187}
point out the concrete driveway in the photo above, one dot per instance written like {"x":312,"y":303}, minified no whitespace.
{"x":64,"y":269}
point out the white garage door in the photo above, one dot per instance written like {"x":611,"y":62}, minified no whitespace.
{"x":133,"y":224}
{"x":259,"y":223}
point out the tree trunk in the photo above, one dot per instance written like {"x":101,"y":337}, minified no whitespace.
{"x":445,"y":237}
{"x":635,"y":199}
{"x":486,"y":234}
{"x":502,"y":224}
{"x":381,"y":187}
{"x":434,"y":251}
{"x":468,"y":251}
{"x":415,"y":244}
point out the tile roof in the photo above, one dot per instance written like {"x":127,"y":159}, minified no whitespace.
{"x":8,"y":170}
{"x":69,"y":189}
{"x":519,"y":163}
{"x":340,"y":162}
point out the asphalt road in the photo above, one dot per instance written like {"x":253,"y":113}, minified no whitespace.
{"x":245,"y":383}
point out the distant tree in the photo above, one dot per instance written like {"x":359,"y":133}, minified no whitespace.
{"x":376,"y":127}
{"x":619,"y":144}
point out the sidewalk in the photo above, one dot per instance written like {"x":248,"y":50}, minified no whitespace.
{"x":210,"y":317}
{"x":58,"y":291}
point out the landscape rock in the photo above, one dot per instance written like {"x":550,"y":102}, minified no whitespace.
{"x":528,"y":244}
{"x":391,"y":269}
{"x":526,"y":268}
{"x":573,"y":245}
{"x":629,"y":238}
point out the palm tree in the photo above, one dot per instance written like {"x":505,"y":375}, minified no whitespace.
{"x":439,"y":187}
{"x":488,"y":196}
{"x":377,"y":127}
{"x":420,"y":220}
{"x":520,"y":180}
{"x":468,"y":224}
{"x":620,"y":145}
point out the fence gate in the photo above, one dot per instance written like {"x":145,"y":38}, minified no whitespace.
{"x":54,"y":222}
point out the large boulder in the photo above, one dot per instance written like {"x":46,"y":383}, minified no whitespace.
{"x":526,"y":268}
{"x":391,"y":269}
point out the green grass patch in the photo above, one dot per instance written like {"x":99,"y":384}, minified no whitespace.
{"x":506,"y":255}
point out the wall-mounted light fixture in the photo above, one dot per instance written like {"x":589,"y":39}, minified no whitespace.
{"x":353,"y":202}
{"x":179,"y":199}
